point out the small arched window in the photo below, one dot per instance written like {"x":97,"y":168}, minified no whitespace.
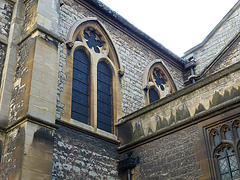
{"x":80,"y":87}
{"x":157,"y":82}
{"x":227,"y":162}
{"x":104,"y":97}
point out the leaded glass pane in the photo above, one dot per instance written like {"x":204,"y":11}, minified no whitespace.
{"x":238,"y":130}
{"x":228,"y":134}
{"x":223,"y":166}
{"x":235,"y":174}
{"x":225,"y":176}
{"x":104,"y":97}
{"x":216,"y":139}
{"x":153,"y":95}
{"x":233,"y":163}
{"x":80,"y":86}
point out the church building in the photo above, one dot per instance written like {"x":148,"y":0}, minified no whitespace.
{"x":85,"y":95}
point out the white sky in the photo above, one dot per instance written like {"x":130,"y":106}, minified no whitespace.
{"x":177,"y":24}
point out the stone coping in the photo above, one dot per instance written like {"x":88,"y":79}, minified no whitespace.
{"x":214,"y":111}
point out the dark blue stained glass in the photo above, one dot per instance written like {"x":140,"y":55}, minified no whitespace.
{"x":80,"y":86}
{"x":159,"y":78}
{"x":104,"y":127}
{"x":228,"y":134}
{"x":78,"y":75}
{"x":216,"y":139}
{"x":92,"y":41}
{"x":77,"y":116}
{"x":153,"y":95}
{"x":81,"y":66}
{"x":104,"y":97}
{"x":104,"y":78}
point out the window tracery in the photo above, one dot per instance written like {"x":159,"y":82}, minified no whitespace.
{"x":159,"y":83}
{"x":224,"y":145}
{"x":95,"y":68}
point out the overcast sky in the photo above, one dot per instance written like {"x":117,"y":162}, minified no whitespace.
{"x":177,"y":24}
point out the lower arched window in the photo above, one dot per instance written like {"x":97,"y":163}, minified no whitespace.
{"x":228,"y":164}
{"x":104,"y":97}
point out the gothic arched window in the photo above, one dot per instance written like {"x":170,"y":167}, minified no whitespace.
{"x":227,"y":162}
{"x":95,"y":81}
{"x":157,"y":82}
{"x":224,"y":145}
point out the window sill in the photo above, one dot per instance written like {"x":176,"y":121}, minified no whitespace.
{"x":88,"y":129}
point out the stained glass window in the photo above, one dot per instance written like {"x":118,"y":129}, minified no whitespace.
{"x":153,"y":95}
{"x":104,"y":97}
{"x":80,"y":87}
{"x":93,"y":40}
{"x":228,"y":165}
{"x":227,"y":133}
{"x":216,"y":138}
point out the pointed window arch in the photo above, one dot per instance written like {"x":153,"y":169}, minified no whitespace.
{"x":224,"y":147}
{"x":96,"y":68}
{"x":158,"y":83}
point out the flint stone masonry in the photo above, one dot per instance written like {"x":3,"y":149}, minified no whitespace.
{"x":170,"y":157}
{"x":12,"y":149}
{"x":134,"y":56}
{"x":219,"y":40}
{"x":2,"y":58}
{"x":30,"y":15}
{"x":18,"y":89}
{"x":80,"y":156}
{"x":6,"y":10}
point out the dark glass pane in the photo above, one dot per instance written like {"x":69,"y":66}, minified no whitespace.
{"x":228,"y":134}
{"x":159,"y":78}
{"x":104,"y":97}
{"x":238,"y":131}
{"x":233,"y":163}
{"x":80,"y":86}
{"x":92,"y":40}
{"x":79,"y":117}
{"x":225,"y":177}
{"x":235,"y":174}
{"x":223,"y":166}
{"x":153,"y":95}
{"x":216,"y":139}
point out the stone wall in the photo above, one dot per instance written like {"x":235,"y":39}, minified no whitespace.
{"x":80,"y":156}
{"x":169,"y":157}
{"x":6,"y":10}
{"x":217,"y":42}
{"x":12,"y":153}
{"x":134,"y":55}
{"x":2,"y":58}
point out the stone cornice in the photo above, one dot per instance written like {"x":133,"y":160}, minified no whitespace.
{"x":42,"y":29}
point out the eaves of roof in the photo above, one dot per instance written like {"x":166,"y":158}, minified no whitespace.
{"x":214,"y":30}
{"x":134,"y":30}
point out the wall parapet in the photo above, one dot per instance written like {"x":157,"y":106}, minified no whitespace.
{"x":209,"y":96}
